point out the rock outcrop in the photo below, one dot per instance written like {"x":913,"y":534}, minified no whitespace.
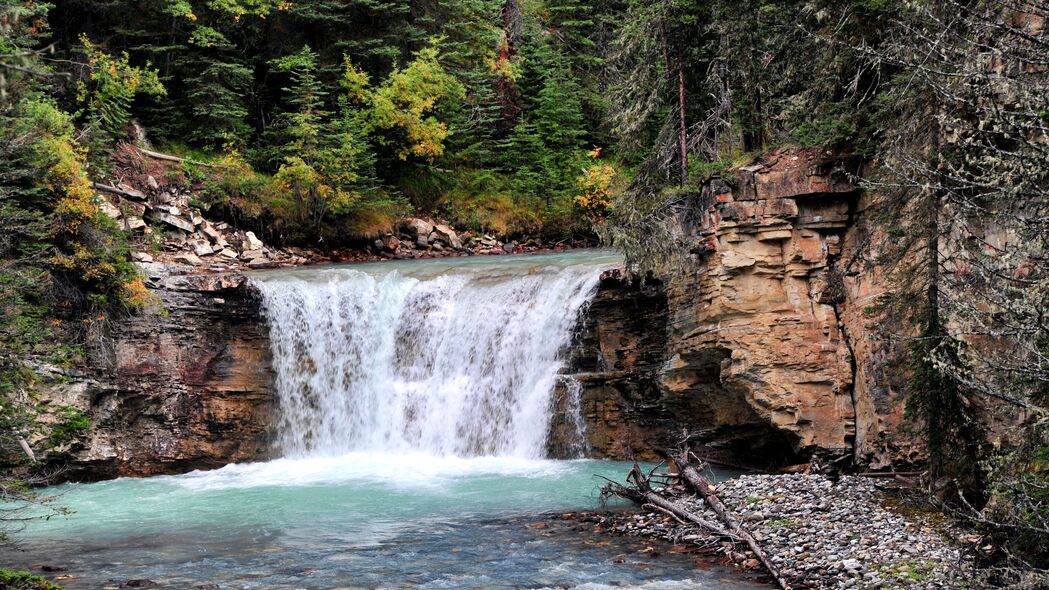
{"x":762,"y":349}
{"x":185,"y":386}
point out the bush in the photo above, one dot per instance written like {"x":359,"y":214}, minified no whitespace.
{"x":12,"y":580}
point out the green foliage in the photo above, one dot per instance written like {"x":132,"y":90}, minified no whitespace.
{"x":106,"y":95}
{"x":63,"y":264}
{"x":403,"y":110}
{"x":71,"y":423}
{"x":12,"y":580}
{"x":1019,"y":493}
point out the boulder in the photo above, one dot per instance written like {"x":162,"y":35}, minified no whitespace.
{"x":251,"y":242}
{"x":202,"y":247}
{"x":228,"y":254}
{"x":141,"y":257}
{"x":187,"y":258}
{"x":171,"y":219}
{"x":131,"y":193}
{"x":109,"y":209}
{"x":152,"y":183}
{"x":446,"y":234}
{"x":262,"y":263}
{"x":134,"y":223}
{"x":252,"y":254}
{"x":391,"y":242}
{"x":208,"y":231}
{"x":420,"y":229}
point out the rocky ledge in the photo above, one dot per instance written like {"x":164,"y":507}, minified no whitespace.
{"x":821,"y":534}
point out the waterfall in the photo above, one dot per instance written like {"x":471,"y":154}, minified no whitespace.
{"x":439,"y":358}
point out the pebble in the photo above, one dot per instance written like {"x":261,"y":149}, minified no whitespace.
{"x":821,"y":534}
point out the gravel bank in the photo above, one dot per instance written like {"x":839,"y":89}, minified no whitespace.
{"x":821,"y":534}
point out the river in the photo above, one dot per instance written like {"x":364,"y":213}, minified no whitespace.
{"x":414,"y":409}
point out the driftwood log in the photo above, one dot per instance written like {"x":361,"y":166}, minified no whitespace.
{"x":130,"y":194}
{"x":170,"y":158}
{"x":690,"y":474}
{"x":641,"y":492}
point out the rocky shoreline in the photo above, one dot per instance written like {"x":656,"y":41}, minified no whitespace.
{"x":820,"y":533}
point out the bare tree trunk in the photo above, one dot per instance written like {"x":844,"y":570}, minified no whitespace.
{"x":26,"y":449}
{"x":683,"y":129}
{"x":690,"y":472}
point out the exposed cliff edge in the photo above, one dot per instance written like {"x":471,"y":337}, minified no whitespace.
{"x":185,"y":386}
{"x":762,"y":347}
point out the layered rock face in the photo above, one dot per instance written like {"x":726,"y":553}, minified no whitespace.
{"x":186,"y":387}
{"x":761,"y":312}
{"x":762,"y":349}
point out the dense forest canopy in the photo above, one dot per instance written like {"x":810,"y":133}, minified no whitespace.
{"x":327,"y":119}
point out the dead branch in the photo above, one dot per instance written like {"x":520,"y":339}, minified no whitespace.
{"x":170,"y":158}
{"x":691,"y":474}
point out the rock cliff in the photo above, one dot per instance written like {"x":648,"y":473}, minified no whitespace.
{"x":185,"y":386}
{"x":762,"y":347}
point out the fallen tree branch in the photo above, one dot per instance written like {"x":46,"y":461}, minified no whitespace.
{"x":170,"y":158}
{"x":691,"y":474}
{"x":641,"y":493}
{"x":138,"y":196}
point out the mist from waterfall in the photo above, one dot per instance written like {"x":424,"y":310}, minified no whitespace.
{"x":439,"y":357}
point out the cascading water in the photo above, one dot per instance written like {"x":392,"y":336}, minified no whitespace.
{"x":423,"y":357}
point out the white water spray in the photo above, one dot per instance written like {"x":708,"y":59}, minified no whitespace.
{"x":445,"y":359}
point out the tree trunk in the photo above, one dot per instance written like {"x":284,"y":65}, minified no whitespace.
{"x":683,"y":129}
{"x":690,"y":472}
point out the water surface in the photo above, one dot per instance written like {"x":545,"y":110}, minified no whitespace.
{"x":414,"y":409}
{"x":354,"y":521}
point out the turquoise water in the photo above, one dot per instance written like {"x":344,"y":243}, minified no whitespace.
{"x":354,"y":521}
{"x":415,"y":405}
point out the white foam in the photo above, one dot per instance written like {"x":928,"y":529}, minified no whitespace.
{"x":411,"y":470}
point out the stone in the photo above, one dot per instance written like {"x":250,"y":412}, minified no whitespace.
{"x":111,"y":211}
{"x":187,"y":258}
{"x":141,"y":257}
{"x":171,"y":219}
{"x":131,"y":193}
{"x":251,"y":242}
{"x":134,"y":223}
{"x":152,"y":182}
{"x":252,"y":254}
{"x":446,"y":234}
{"x":228,"y":254}
{"x":195,"y":218}
{"x":202,"y":248}
{"x":391,"y":242}
{"x":208,"y":231}
{"x":509,"y":247}
{"x":420,"y":229}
